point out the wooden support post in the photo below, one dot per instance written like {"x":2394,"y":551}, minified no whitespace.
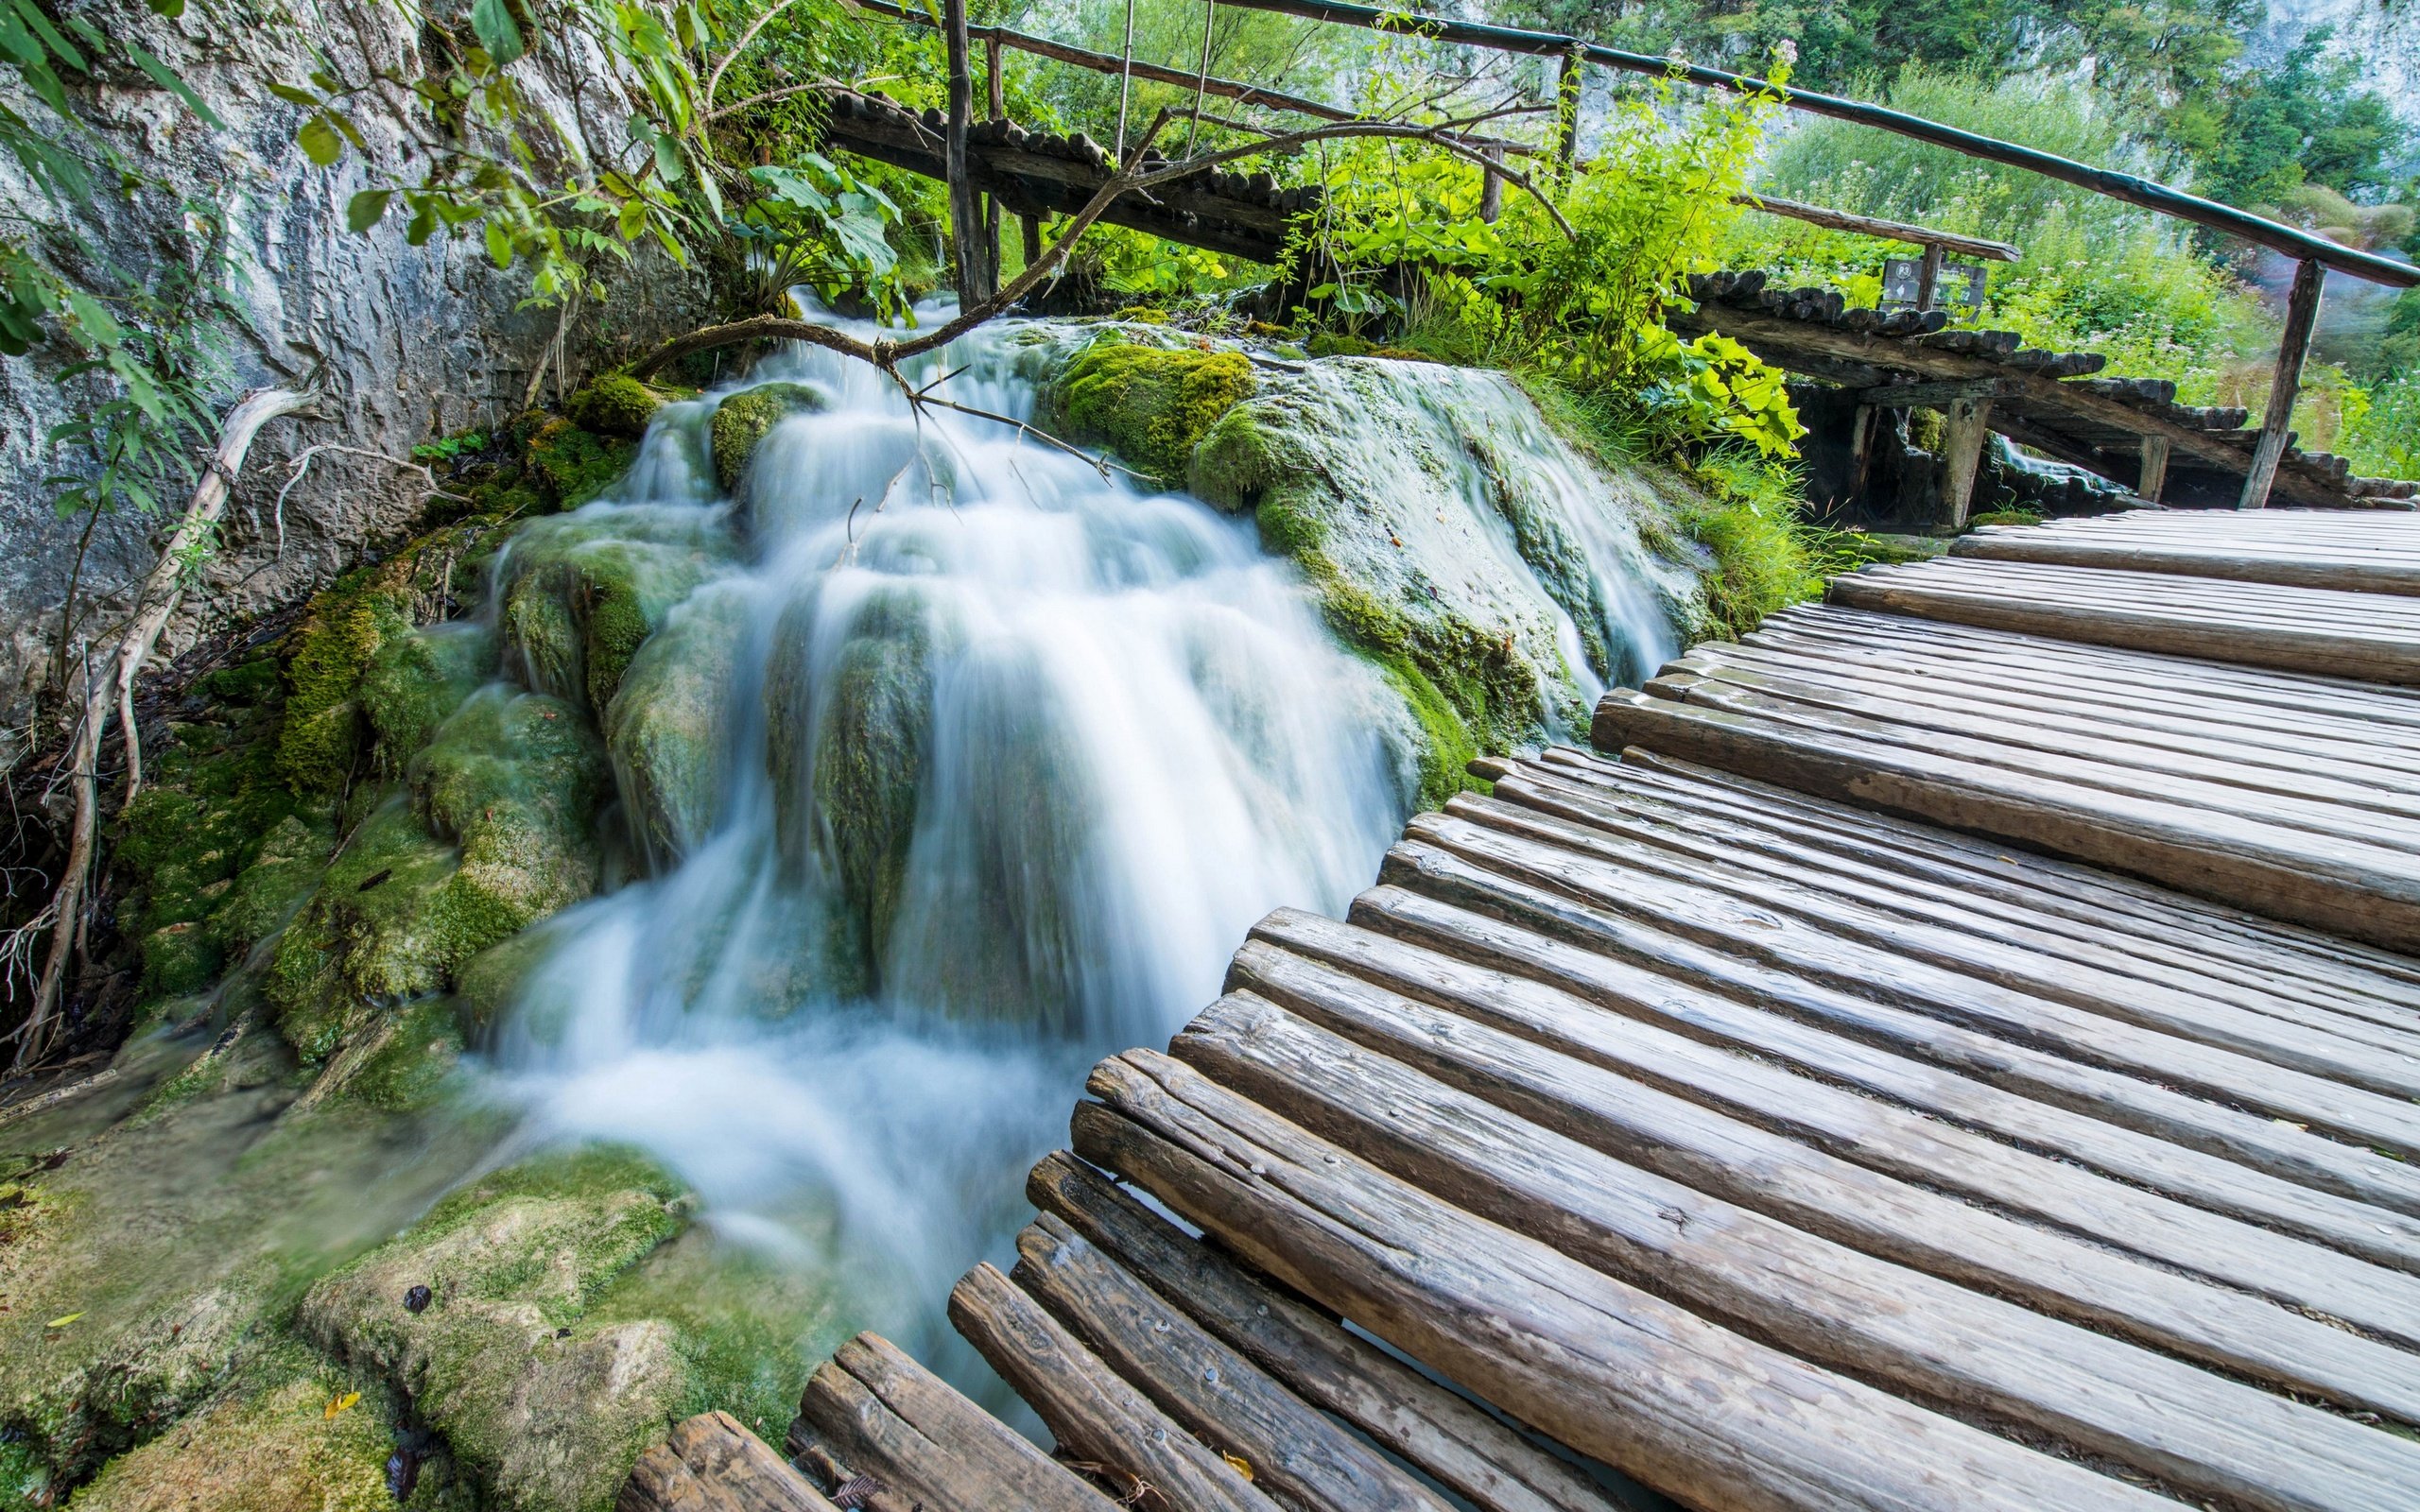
{"x":2153,"y":475}
{"x":1490,"y":188}
{"x":1929,"y":277}
{"x":1961,"y":446}
{"x":975,"y":283}
{"x":1566,"y":115}
{"x":996,"y":109}
{"x":1861,"y":448}
{"x":1029,"y":233}
{"x":2302,"y":315}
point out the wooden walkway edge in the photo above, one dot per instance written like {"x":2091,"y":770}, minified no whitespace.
{"x":1951,"y":1049}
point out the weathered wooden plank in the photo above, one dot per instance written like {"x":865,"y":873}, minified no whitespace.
{"x":1921,"y":1337}
{"x":1871,"y":1108}
{"x":2120,"y":767}
{"x":1461,"y":1447}
{"x":2312,"y":567}
{"x":712,"y":1464}
{"x":2380,"y":1061}
{"x":2369,"y":892}
{"x":1448,"y":905}
{"x":1678,"y":1403}
{"x":1778,"y":940}
{"x":883,"y":1414}
{"x":2037,"y":880}
{"x":1709,"y":838}
{"x":1294,"y":1453}
{"x":1629,"y":1103}
{"x":1092,"y":1414}
{"x":2144,"y":624}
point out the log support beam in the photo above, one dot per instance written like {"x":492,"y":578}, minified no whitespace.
{"x":1970,"y":424}
{"x":2152,"y":480}
{"x":2302,"y":315}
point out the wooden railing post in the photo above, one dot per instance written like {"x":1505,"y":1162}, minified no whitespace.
{"x":2302,"y":315}
{"x":996,"y":109}
{"x":1929,"y":277}
{"x":1491,"y":189}
{"x":975,"y":281}
{"x":1566,"y":115}
{"x":1962,"y":454}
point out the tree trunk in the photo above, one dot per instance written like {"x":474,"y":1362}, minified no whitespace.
{"x":110,"y":687}
{"x":975,"y":275}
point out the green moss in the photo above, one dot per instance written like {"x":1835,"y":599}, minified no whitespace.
{"x":270,"y":1442}
{"x":870,"y":760}
{"x":570,"y":465}
{"x":616,"y":404}
{"x":747,"y":418}
{"x":2005,"y":517}
{"x":331,"y":650}
{"x":1150,"y":406}
{"x":583,"y":597}
{"x":546,"y":1405}
{"x":669,"y":723}
{"x":409,"y":1069}
{"x":415,"y":681}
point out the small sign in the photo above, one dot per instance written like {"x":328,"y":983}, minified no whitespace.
{"x":1960,"y":284}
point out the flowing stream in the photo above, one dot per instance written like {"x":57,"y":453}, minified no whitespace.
{"x":1007,"y":758}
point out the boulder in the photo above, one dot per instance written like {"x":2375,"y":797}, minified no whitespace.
{"x":746,"y":417}
{"x":669,"y":723}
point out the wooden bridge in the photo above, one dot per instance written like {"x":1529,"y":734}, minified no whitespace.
{"x":1950,"y":1050}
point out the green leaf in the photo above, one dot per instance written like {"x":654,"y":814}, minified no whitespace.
{"x":492,"y":22}
{"x":319,"y":140}
{"x":363,"y":210}
{"x":165,"y":77}
{"x":169,"y":9}
{"x":499,"y":244}
{"x":423,"y":224}
{"x":295,"y":96}
{"x":48,"y":33}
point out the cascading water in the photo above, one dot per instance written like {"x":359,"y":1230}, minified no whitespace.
{"x":999,"y":760}
{"x":1014,"y":755}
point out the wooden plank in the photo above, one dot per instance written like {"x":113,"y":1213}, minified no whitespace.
{"x":712,"y":1464}
{"x":1771,"y":939}
{"x":2041,"y":881}
{"x":1922,"y":1338}
{"x":1678,"y":1403}
{"x":1621,"y":964}
{"x":2346,"y":652}
{"x":2293,"y":346}
{"x":1295,"y":1453}
{"x":2369,"y":892}
{"x":1883,"y":1114}
{"x":1093,"y":1415}
{"x":1942,"y":1205}
{"x":1457,"y":1444}
{"x":883,"y":1414}
{"x":2347,"y":570}
{"x":2097,"y":974}
{"x":2320,"y":804}
{"x":1710,"y":838}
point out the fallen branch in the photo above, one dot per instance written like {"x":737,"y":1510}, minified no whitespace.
{"x":110,"y":687}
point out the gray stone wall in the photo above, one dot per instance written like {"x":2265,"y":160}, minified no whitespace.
{"x":401,"y":343}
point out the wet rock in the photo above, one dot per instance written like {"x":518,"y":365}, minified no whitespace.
{"x":271,"y":1443}
{"x":582,"y":594}
{"x":669,"y":725}
{"x":746,"y":417}
{"x":616,"y":404}
{"x":545,"y":1424}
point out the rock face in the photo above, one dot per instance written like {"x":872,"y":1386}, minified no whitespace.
{"x":402,"y":343}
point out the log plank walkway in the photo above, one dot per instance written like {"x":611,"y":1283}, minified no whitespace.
{"x":1949,"y":1050}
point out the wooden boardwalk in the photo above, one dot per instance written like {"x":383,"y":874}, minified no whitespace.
{"x":1947,"y":1051}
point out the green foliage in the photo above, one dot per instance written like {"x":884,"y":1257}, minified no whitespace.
{"x":2384,"y":439}
{"x":2302,"y":120}
{"x":821,"y":225}
{"x":1152,"y":406}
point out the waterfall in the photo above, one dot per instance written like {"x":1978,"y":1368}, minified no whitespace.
{"x":961,"y":763}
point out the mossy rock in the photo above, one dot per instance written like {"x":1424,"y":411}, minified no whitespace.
{"x":544,"y":1405}
{"x":500,"y":837}
{"x":284,"y":874}
{"x":616,"y":404}
{"x":273,"y":1443}
{"x":570,"y":465}
{"x":582,"y":595}
{"x":407,"y":1069}
{"x":415,"y":681}
{"x":669,"y":725}
{"x":1149,"y":404}
{"x":747,"y":418}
